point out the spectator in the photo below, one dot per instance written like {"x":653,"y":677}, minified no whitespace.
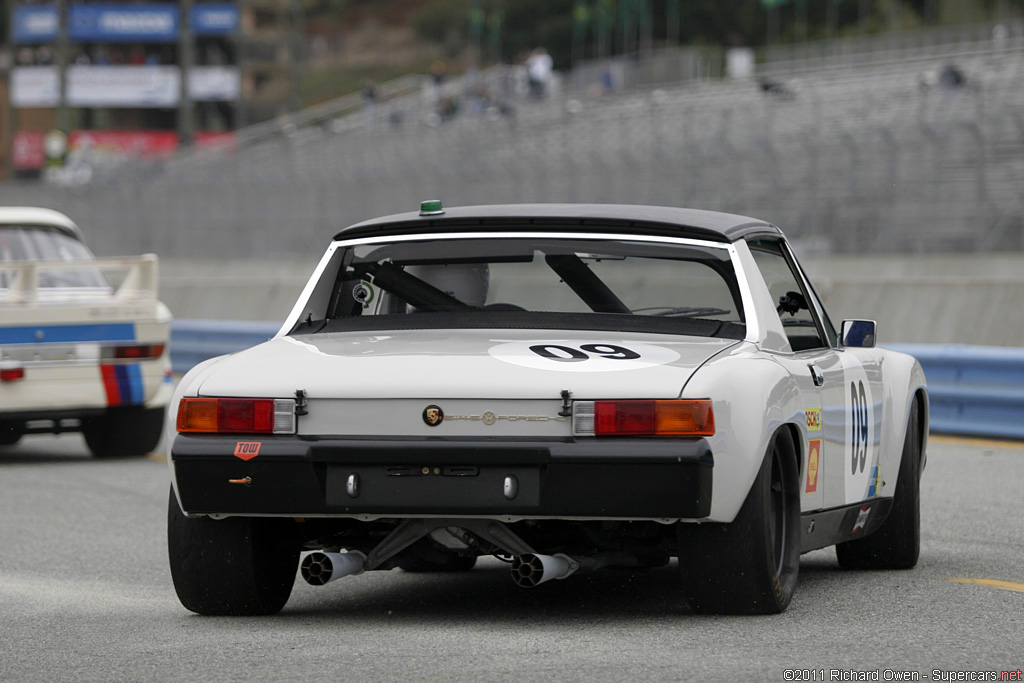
{"x":538,"y":70}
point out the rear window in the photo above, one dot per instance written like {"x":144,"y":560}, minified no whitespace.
{"x":41,"y":243}
{"x":535,"y":282}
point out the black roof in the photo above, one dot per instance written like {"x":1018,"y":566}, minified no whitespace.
{"x":631,"y":218}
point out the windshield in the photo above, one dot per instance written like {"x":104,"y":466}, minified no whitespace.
{"x":41,"y":243}
{"x":535,"y":282}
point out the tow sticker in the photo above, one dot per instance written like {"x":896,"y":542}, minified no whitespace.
{"x":247,"y":450}
{"x":573,"y":356}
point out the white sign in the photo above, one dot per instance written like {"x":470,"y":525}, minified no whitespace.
{"x":214,"y":83}
{"x":123,"y":86}
{"x":35,"y":86}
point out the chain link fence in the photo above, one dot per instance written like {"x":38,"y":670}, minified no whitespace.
{"x":914,"y":154}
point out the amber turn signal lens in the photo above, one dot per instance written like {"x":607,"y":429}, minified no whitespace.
{"x":684,"y":418}
{"x":197,"y":415}
{"x":692,"y":417}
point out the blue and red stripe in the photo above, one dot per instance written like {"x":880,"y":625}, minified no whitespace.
{"x":123,"y":384}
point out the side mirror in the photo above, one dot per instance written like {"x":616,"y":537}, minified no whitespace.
{"x":858,"y":334}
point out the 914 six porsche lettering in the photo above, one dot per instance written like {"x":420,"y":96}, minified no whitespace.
{"x":587,"y":386}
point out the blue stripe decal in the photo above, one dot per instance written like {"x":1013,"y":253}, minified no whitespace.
{"x":135,"y":382}
{"x":43,"y":334}
{"x":124,"y":385}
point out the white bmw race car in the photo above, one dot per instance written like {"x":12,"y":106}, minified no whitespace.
{"x":76,"y":353}
{"x":562,"y":387}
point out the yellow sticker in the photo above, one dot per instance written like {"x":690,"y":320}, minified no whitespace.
{"x":813,"y":419}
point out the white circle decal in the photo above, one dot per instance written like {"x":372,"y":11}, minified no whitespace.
{"x":579,"y":356}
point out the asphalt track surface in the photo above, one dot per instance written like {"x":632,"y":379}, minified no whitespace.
{"x":85,"y":595}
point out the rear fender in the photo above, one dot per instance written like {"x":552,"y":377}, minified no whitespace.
{"x":752,"y":397}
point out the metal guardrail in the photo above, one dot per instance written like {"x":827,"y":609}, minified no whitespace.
{"x":976,"y":390}
{"x":193,"y":341}
{"x":973,"y":390}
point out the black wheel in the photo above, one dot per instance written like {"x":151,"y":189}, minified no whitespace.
{"x":241,"y":566}
{"x":897,"y":543}
{"x":427,"y":556}
{"x":124,"y":431}
{"x":751,"y":565}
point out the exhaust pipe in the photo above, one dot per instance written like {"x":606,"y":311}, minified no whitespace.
{"x":531,"y":570}
{"x":319,"y":568}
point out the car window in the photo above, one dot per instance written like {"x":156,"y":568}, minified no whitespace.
{"x":791,"y":298}
{"x":40,"y":243}
{"x":542,"y":275}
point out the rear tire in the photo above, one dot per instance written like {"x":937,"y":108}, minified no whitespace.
{"x":897,"y":543}
{"x":124,"y":432}
{"x":749,"y":566}
{"x":240,"y":566}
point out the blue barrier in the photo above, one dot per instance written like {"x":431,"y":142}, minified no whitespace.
{"x":976,"y":390}
{"x":193,"y":341}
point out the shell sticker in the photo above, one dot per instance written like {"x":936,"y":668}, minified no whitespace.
{"x":813,"y":453}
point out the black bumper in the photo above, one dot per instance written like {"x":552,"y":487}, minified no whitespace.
{"x":306,"y":476}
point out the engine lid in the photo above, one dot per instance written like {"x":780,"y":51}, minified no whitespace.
{"x":465,"y":364}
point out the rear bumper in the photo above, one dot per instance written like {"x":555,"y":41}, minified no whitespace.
{"x":351,"y":477}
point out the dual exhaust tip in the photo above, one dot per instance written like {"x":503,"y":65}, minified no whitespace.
{"x":320,"y":568}
{"x":528,"y":570}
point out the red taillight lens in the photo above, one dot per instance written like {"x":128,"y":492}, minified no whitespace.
{"x":654,"y":418}
{"x":246,"y":415}
{"x":236,"y":415}
{"x":12,"y":374}
{"x":139,"y":351}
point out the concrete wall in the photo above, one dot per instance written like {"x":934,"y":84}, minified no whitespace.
{"x":968,"y":299}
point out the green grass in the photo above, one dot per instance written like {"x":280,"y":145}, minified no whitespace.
{"x":323,"y":84}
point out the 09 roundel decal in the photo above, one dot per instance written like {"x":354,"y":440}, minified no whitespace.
{"x":583,"y":356}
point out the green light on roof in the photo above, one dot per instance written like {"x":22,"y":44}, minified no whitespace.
{"x":431,"y":207}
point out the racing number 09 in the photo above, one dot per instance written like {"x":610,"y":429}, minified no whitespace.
{"x":859,"y":424}
{"x":568,"y":354}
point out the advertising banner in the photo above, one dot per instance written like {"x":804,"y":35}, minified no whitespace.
{"x":123,"y":86}
{"x":214,"y":19}
{"x":120,"y":143}
{"x":34,"y":86}
{"x":214,"y":83}
{"x":27,"y":150}
{"x":103,"y":147}
{"x":35,"y":24}
{"x":124,"y":23}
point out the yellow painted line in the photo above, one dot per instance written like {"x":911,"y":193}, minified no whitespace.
{"x":991,"y":583}
{"x":156,"y":457}
{"x":982,"y":443}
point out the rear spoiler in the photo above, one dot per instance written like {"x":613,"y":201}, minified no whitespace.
{"x":137,"y":276}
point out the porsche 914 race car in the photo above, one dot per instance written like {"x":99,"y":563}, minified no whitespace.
{"x":76,"y":353}
{"x":562,"y":387}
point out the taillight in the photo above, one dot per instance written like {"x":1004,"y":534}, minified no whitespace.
{"x":140,"y":351}
{"x":12,"y":374}
{"x":692,"y":417}
{"x":237,"y":415}
{"x":133,"y":352}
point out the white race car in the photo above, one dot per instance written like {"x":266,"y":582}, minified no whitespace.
{"x":76,"y":353}
{"x":563,"y":387}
